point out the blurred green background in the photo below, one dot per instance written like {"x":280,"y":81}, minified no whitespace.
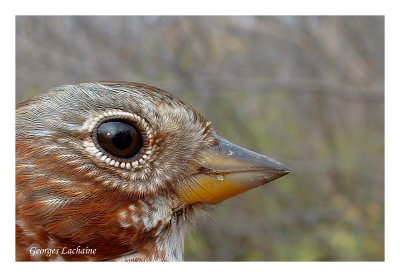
{"x":307,"y":91}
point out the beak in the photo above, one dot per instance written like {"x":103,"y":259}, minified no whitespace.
{"x":227,"y":170}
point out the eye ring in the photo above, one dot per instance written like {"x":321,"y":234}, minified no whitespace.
{"x":135,"y":161}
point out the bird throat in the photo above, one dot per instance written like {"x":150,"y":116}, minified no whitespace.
{"x":169,"y":228}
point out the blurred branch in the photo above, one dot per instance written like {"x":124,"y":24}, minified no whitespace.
{"x":344,"y":91}
{"x":324,"y":166}
{"x":275,"y":29}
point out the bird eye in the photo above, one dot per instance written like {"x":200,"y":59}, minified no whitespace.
{"x":119,"y":138}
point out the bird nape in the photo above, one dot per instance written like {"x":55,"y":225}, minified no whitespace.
{"x":117,"y":171}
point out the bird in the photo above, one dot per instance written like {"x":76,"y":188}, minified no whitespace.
{"x":118,"y":171}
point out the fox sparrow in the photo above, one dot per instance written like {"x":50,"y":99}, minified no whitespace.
{"x":117,"y":171}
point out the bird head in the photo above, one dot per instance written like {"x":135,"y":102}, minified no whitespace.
{"x":120,"y":168}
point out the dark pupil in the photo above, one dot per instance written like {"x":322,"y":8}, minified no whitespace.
{"x":119,"y":139}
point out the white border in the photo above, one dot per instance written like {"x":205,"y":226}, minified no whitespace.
{"x":392,"y":139}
